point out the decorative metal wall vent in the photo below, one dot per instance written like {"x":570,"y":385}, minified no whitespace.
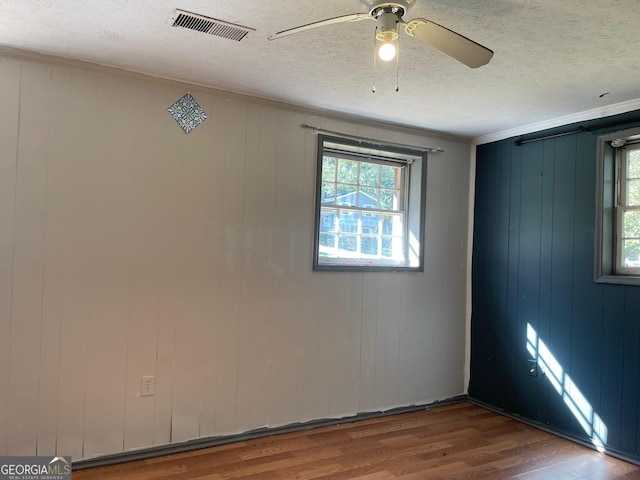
{"x":211,"y":26}
{"x":187,"y":112}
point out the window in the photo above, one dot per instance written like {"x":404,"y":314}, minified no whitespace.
{"x":618,"y":208}
{"x":369,"y":206}
{"x":628,"y":215}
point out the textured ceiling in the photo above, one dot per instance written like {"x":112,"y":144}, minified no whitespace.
{"x":552,"y":58}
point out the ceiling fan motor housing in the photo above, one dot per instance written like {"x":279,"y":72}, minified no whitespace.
{"x":388,"y":15}
{"x":374,"y":5}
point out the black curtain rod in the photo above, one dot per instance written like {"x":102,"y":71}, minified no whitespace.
{"x":581,"y":129}
{"x":517,"y":143}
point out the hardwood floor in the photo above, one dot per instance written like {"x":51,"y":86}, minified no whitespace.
{"x":449,"y":442}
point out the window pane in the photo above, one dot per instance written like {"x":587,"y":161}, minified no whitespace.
{"x":392,"y":225}
{"x":328,"y":221}
{"x":388,"y":176}
{"x":347,"y":195}
{"x":389,"y":200}
{"x":328,"y":193}
{"x":369,"y":174}
{"x":387,"y":225}
{"x":369,"y":245}
{"x":387,"y":250}
{"x":349,"y":221}
{"x":348,"y":243}
{"x":347,"y":171}
{"x":631,"y":228}
{"x":370,"y":223}
{"x":633,"y":164}
{"x":631,"y":253}
{"x":633,"y":192}
{"x":396,"y":248}
{"x":327,"y":240}
{"x":329,"y":169}
{"x":368,"y":198}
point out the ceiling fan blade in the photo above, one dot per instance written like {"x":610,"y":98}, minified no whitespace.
{"x":354,"y":17}
{"x":447,"y":41}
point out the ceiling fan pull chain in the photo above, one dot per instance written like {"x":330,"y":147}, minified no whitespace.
{"x":375,"y":40}
{"x":397,"y":63}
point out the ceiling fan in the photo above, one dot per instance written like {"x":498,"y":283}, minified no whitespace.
{"x":389,"y":14}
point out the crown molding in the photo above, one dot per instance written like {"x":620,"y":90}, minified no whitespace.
{"x":600,"y":112}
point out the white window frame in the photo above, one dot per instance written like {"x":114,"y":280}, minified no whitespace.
{"x":410,"y":207}
{"x":623,"y":207}
{"x":611,"y":189}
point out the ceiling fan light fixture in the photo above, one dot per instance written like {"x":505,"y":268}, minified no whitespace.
{"x":387,"y":52}
{"x":387,"y":29}
{"x":387,"y":34}
{"x":387,"y":37}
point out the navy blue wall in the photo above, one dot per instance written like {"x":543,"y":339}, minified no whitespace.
{"x":533,"y":259}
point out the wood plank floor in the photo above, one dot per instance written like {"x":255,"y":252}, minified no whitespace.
{"x":449,"y":442}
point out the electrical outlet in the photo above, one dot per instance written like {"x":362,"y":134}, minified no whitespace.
{"x":148,"y":385}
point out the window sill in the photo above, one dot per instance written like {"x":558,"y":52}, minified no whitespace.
{"x":619,"y":279}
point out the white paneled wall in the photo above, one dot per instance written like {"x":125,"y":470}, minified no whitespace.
{"x":128,"y":248}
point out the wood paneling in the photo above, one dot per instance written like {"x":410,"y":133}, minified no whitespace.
{"x":543,"y":277}
{"x":28,"y":258}
{"x":457,"y":441}
{"x":128,"y":248}
{"x":10,"y":103}
{"x":79,"y":111}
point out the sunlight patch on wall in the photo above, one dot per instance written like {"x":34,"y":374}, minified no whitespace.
{"x":564,"y":385}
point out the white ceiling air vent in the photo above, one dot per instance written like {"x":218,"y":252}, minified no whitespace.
{"x":212,"y":26}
